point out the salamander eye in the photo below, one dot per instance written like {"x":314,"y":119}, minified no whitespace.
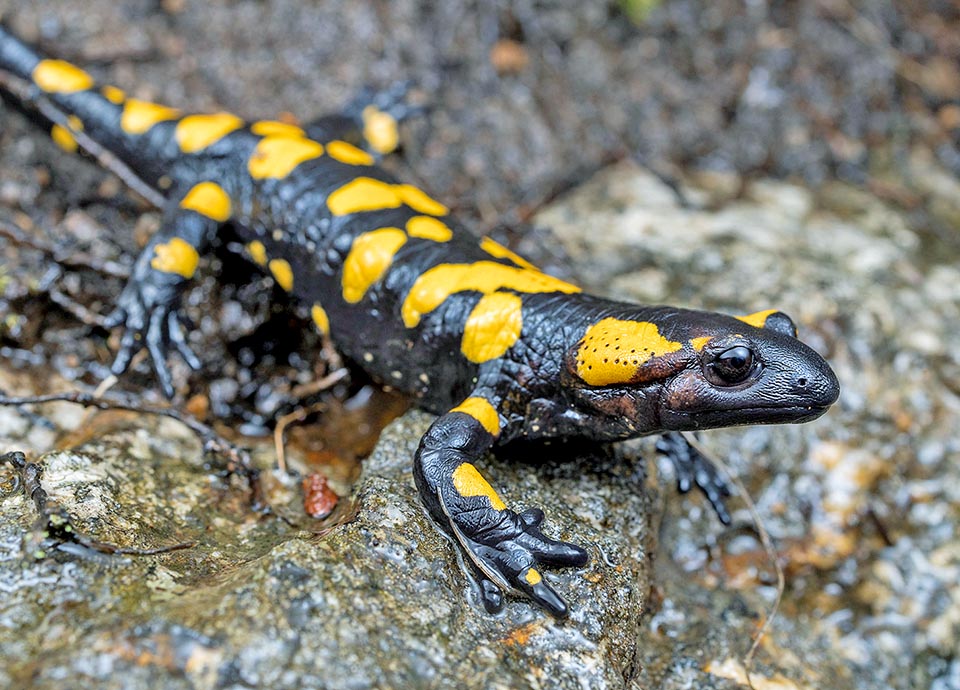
{"x":731,"y":366}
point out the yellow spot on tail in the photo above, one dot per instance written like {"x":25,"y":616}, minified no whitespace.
{"x":429,"y":228}
{"x":492,"y":327}
{"x":176,"y":256}
{"x":282,"y":273}
{"x":699,"y":343}
{"x":370,"y":256}
{"x":139,"y":116}
{"x":758,"y":318}
{"x":257,"y":252}
{"x":208,"y":199}
{"x":613,"y":350}
{"x":63,"y":136}
{"x":468,"y":481}
{"x":197,"y":132}
{"x":494,"y":248}
{"x":380,"y":129}
{"x":368,"y":194}
{"x":276,"y":156}
{"x":433,"y":287}
{"x":59,"y":76}
{"x":348,"y":153}
{"x":532,"y":577}
{"x":113,"y":94}
{"x":321,"y":319}
{"x":481,"y":410}
{"x":270,"y":128}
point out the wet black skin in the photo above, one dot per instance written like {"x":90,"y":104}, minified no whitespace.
{"x":743,"y":375}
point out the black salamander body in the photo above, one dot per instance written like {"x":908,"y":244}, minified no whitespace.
{"x":498,"y":349}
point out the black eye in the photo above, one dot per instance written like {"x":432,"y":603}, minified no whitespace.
{"x":731,"y":366}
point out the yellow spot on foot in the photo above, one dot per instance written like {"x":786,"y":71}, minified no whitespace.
{"x":59,"y":76}
{"x":429,"y":228}
{"x":270,"y":128}
{"x":380,"y":129}
{"x":492,"y":327}
{"x":257,"y":252}
{"x":197,"y":132}
{"x":481,"y":410}
{"x":699,"y":343}
{"x":468,"y":481}
{"x":321,"y":319}
{"x":612,"y":350}
{"x":113,"y":94}
{"x":63,"y":136}
{"x":176,"y":256}
{"x":494,"y":248}
{"x":277,"y":156}
{"x":208,"y":199}
{"x":282,"y":273}
{"x":348,"y":153}
{"x":437,"y":284}
{"x":532,"y":577}
{"x":370,"y":256}
{"x":758,"y":318}
{"x":139,"y":116}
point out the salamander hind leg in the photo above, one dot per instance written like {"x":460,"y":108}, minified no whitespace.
{"x":370,"y":121}
{"x":503,"y":549}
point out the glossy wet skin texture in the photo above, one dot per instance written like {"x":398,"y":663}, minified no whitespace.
{"x":498,"y":349}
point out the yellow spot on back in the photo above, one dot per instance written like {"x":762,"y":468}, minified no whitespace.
{"x":59,"y":76}
{"x":348,"y":153}
{"x":429,"y":228}
{"x":257,"y":252}
{"x":380,"y":129}
{"x":492,"y":327}
{"x":197,"y":132}
{"x":368,"y":194}
{"x":758,"y":318}
{"x":418,"y":200}
{"x":321,"y":319}
{"x":269,"y":128}
{"x":208,"y":199}
{"x":63,"y":136}
{"x":282,"y":273}
{"x":532,"y":577}
{"x":176,"y":256}
{"x":113,"y":94}
{"x":613,"y":350}
{"x":139,"y":116}
{"x":370,"y":256}
{"x":494,"y":248}
{"x":276,"y":156}
{"x":468,"y":481}
{"x":438,"y":283}
{"x":699,"y":343}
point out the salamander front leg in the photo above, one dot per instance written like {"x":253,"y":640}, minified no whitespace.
{"x":147,"y":307}
{"x":503,"y":548}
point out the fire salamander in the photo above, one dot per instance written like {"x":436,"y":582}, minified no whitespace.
{"x":498,"y":349}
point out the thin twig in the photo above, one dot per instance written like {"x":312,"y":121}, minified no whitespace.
{"x":18,"y":236}
{"x":765,"y":541}
{"x":301,"y":414}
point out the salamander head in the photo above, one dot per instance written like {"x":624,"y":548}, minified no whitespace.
{"x":671,"y":369}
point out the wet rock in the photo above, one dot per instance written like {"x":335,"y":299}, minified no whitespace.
{"x":372,"y":598}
